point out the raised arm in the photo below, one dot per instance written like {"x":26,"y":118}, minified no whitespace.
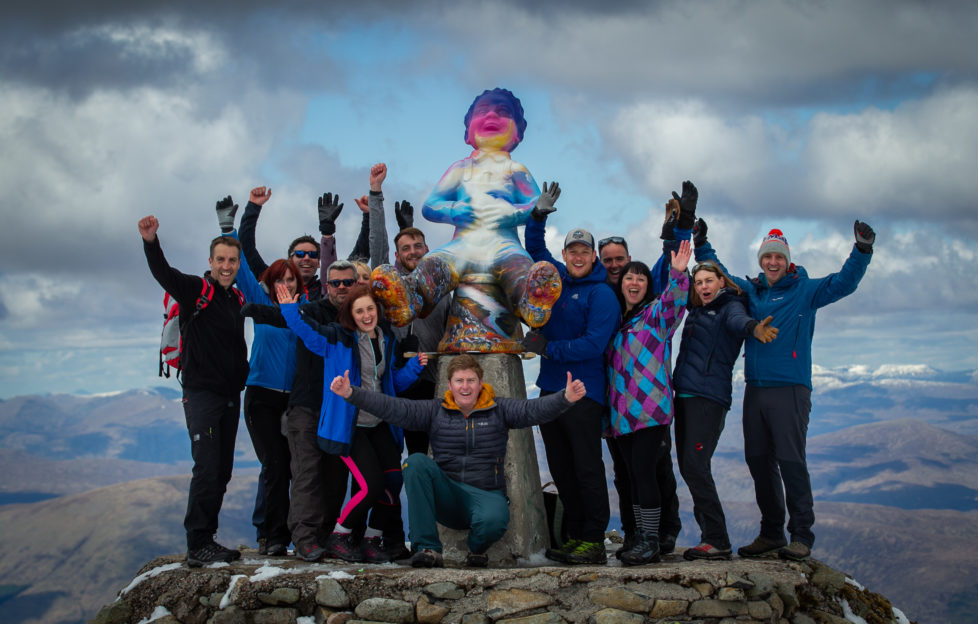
{"x":249,"y":222}
{"x":831,"y":288}
{"x":180,"y":285}
{"x":536,"y":225}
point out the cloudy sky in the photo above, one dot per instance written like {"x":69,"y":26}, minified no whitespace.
{"x":798,"y":115}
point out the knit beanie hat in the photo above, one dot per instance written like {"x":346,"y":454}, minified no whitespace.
{"x":774,"y":242}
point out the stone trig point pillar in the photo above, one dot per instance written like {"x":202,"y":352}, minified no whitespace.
{"x":527,"y":532}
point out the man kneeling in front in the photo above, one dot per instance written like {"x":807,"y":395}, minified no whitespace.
{"x":463,"y":487}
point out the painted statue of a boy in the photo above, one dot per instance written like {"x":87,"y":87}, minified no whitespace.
{"x":486,"y":196}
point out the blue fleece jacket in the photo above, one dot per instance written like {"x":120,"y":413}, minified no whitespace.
{"x":582,"y":322}
{"x":272,"y":360}
{"x":792,"y":301}
{"x":340,"y":352}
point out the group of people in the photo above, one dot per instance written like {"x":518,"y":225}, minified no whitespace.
{"x":333,"y":392}
{"x":330,"y":398}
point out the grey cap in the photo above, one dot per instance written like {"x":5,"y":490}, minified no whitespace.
{"x":579,"y":235}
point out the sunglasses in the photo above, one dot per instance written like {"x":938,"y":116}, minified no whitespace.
{"x":618,"y":240}
{"x":299,"y":253}
{"x":709,"y":265}
{"x":336,"y":283}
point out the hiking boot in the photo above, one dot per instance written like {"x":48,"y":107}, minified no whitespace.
{"x":341,"y":546}
{"x":231,"y":552}
{"x":372,"y":549}
{"x":560,"y":553}
{"x":795,"y":551}
{"x":211,"y":552}
{"x":310,"y":552}
{"x":477,"y":560}
{"x":626,"y":544}
{"x":644,"y":550}
{"x":667,"y":544}
{"x":396,"y":549}
{"x":589,"y":552}
{"x":762,"y":547}
{"x":706,"y":552}
{"x":262,"y":546}
{"x":277,"y":549}
{"x":427,"y":558}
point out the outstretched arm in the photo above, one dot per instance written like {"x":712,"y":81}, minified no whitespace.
{"x":407,"y":413}
{"x":185,"y":288}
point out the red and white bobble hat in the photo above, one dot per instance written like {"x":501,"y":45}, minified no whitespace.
{"x":774,"y":242}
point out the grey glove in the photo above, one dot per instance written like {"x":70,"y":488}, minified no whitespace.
{"x":404,"y":213}
{"x":687,"y":205}
{"x":865,"y":236}
{"x":329,"y":207}
{"x":545,"y":205}
{"x":226,"y":209}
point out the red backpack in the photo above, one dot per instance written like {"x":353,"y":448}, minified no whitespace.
{"x":171,"y":340}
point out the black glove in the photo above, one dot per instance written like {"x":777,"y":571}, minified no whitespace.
{"x":865,"y":236}
{"x":667,"y":227}
{"x":407,"y":345}
{"x":404,"y":213}
{"x":699,"y":233}
{"x":329,"y":208}
{"x":226,"y":209}
{"x":535,"y":342}
{"x":545,"y":205}
{"x":687,"y":205}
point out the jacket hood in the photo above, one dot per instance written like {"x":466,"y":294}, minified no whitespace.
{"x":487,"y":399}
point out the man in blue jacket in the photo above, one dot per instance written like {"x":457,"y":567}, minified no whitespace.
{"x":581,"y":323}
{"x":777,"y":400}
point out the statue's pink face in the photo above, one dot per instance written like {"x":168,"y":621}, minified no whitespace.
{"x":492,"y":125}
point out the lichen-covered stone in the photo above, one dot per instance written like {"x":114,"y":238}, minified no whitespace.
{"x":475,"y":618}
{"x":763,"y":585}
{"x":506,"y":602}
{"x":828,"y":580}
{"x":615,"y":616}
{"x":276,"y":615}
{"x":730,"y":593}
{"x":385,"y":610}
{"x":540,"y":618}
{"x":801,"y":618}
{"x":734,"y":580}
{"x":669,"y":608}
{"x":619,"y":598}
{"x":659,"y":590}
{"x":339,"y":618}
{"x":759,"y":610}
{"x":228,"y":615}
{"x":821,"y":617}
{"x":280,"y":596}
{"x":717,"y":608}
{"x":705,"y":589}
{"x":788,"y":596}
{"x":776,"y":604}
{"x":330,"y":593}
{"x":443,"y":591}
{"x":117,"y":612}
{"x":427,"y":613}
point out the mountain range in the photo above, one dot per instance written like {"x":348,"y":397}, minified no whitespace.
{"x":95,"y":486}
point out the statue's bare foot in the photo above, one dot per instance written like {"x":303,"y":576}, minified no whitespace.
{"x":400,"y":302}
{"x":542,"y":290}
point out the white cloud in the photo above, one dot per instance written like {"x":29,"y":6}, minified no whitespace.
{"x":916,"y":161}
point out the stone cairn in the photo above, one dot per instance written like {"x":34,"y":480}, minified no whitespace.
{"x":283,"y":590}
